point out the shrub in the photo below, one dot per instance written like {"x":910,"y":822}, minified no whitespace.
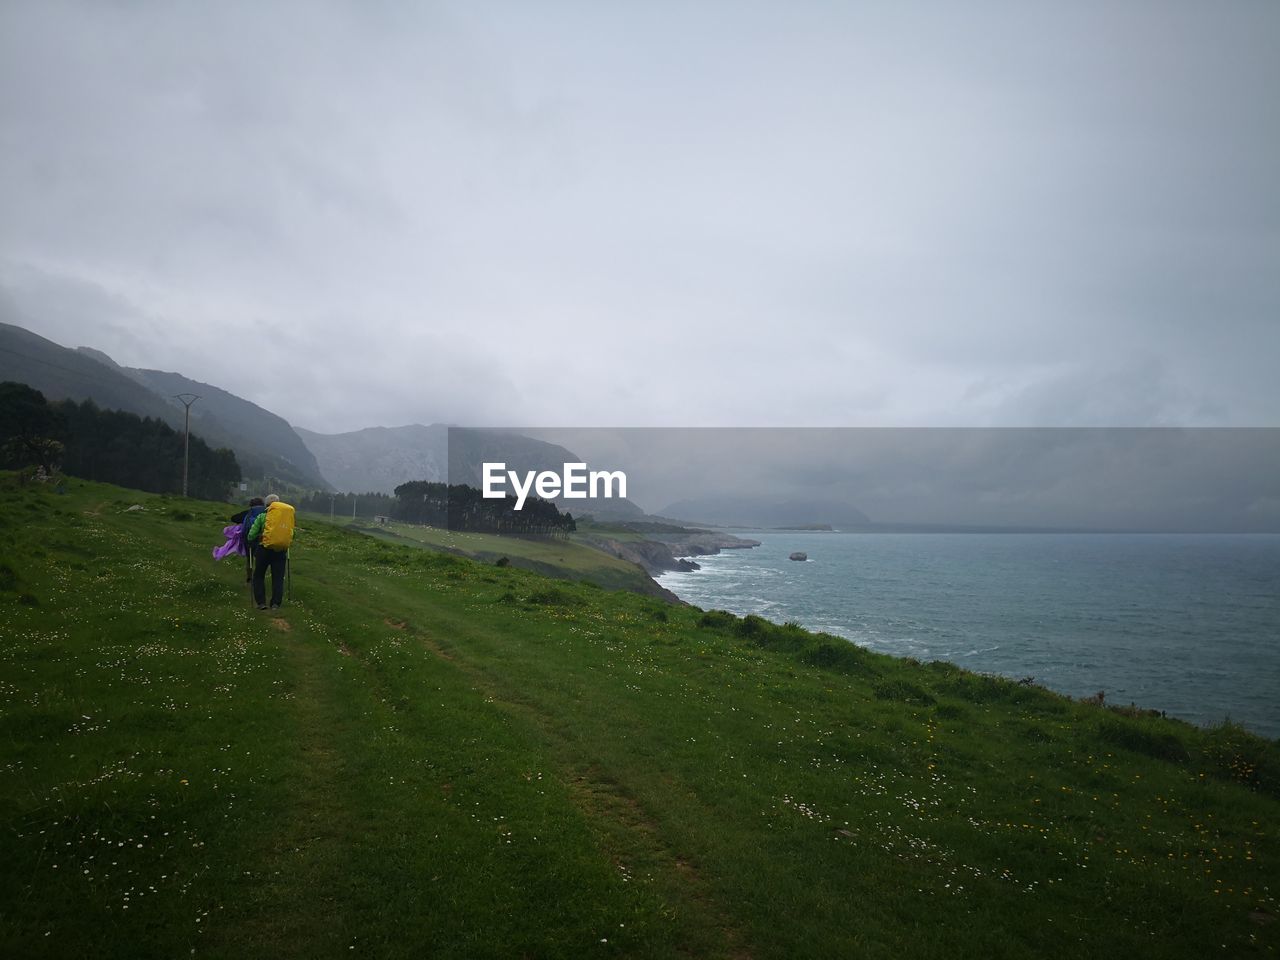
{"x":553,"y":597}
{"x":1141,"y":736}
{"x":715,"y":619}
{"x":981,"y":687}
{"x":844,"y":657}
{"x":1233,"y":753}
{"x":886,"y":688}
{"x":950,"y":711}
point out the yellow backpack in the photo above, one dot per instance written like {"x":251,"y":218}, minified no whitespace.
{"x":277,"y":529}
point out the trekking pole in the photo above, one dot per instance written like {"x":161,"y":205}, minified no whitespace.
{"x":288,"y":575}
{"x":249,"y":582}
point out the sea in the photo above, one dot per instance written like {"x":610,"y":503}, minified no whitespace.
{"x":1184,"y":623}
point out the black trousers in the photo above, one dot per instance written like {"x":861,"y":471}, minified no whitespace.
{"x":264,"y":558}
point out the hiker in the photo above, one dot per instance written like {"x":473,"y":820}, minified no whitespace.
{"x":243,"y":520}
{"x":236,"y":533}
{"x":270,"y":536}
{"x":256,"y":506}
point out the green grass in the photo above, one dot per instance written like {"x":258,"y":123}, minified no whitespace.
{"x":562,"y":559}
{"x":424,"y":755}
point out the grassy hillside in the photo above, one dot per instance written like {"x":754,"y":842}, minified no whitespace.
{"x":562,"y":559}
{"x":423,"y":755}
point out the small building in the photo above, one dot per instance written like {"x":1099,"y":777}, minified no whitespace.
{"x":381,"y":521}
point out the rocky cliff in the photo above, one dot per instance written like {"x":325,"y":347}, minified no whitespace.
{"x":667,"y":551}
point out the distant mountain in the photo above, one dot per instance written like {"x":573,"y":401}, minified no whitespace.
{"x":744,"y":511}
{"x":63,"y":374}
{"x":379,"y":459}
{"x":470,"y":449}
{"x":264,"y":443}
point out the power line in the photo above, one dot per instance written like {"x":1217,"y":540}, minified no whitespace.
{"x":186,"y":399}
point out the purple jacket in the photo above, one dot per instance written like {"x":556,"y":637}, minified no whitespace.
{"x":234,"y":544}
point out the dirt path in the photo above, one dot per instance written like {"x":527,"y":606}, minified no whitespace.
{"x":291,"y":905}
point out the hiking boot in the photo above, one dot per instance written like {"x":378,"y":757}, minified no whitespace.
{"x":262,"y":606}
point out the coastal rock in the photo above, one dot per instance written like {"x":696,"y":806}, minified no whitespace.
{"x":660,"y":555}
{"x":705,"y":543}
{"x":799,"y":555}
{"x":653,"y":556}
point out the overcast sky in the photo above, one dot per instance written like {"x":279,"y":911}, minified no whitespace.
{"x":1208,"y":480}
{"x":657,"y":213}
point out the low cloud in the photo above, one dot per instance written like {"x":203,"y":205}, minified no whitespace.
{"x":617,"y":214}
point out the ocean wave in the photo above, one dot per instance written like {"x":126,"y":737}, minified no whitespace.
{"x":1025,"y":607}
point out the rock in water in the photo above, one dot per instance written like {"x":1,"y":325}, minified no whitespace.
{"x":799,"y":555}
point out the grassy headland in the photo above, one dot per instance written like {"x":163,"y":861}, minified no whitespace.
{"x":562,"y":559}
{"x":429,"y":755}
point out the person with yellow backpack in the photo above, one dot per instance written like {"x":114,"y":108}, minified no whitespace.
{"x":271,"y":536}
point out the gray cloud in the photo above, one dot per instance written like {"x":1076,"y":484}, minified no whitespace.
{"x":1081,"y":478}
{"x":1004,"y":213}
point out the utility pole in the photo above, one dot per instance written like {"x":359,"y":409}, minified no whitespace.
{"x":353,"y":506}
{"x":186,"y":399}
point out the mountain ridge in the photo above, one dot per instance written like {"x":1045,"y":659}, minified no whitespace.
{"x":378,"y":459}
{"x":265,"y":444}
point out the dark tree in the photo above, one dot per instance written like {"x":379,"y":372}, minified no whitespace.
{"x":463,"y":507}
{"x":112,"y":446}
{"x":31,"y":431}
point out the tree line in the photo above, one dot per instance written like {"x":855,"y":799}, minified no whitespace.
{"x":112,"y":446}
{"x":463,"y":507}
{"x":109,"y":446}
